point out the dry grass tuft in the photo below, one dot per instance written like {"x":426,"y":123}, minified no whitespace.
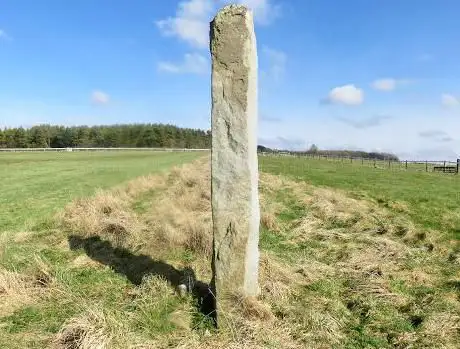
{"x":320,"y":323}
{"x":269,"y":221}
{"x":89,"y":331}
{"x":277,"y":281}
{"x":16,"y":290}
{"x":84,"y":261}
{"x":399,"y":206}
{"x":107,"y":214}
{"x":4,"y":239}
{"x":440,"y":328}
{"x":182,"y":214}
{"x":251,"y":308}
{"x":42,"y":273}
{"x":22,"y":236}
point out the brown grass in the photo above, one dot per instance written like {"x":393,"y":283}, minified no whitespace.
{"x":106,"y":214}
{"x":368,"y":248}
{"x":180,"y":216}
{"x":355,"y":252}
{"x":89,"y":331}
{"x":16,"y":290}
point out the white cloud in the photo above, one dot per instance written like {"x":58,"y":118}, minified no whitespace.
{"x":191,"y":22}
{"x":389,"y":84}
{"x":347,"y":94}
{"x":449,"y":100}
{"x":277,"y":61}
{"x":99,"y":97}
{"x":193,"y":63}
{"x":405,"y":134}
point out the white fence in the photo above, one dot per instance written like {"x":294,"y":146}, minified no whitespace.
{"x":97,"y":149}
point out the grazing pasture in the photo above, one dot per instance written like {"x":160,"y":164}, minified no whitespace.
{"x":431,"y":199}
{"x":34,"y":185}
{"x":350,"y":257}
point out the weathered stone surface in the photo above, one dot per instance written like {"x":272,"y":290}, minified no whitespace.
{"x":235,"y":197}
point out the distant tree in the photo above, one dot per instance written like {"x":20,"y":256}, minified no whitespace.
{"x":20,"y":138}
{"x":2,"y":139}
{"x":263,"y":149}
{"x":38,"y":137}
{"x":134,"y":135}
{"x":313,"y":149}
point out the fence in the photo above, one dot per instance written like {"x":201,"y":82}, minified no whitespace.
{"x":427,"y":165}
{"x":95,"y":149}
{"x":444,"y":166}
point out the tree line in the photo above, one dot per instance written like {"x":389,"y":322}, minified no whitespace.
{"x":113,"y":136}
{"x":140,"y":136}
{"x":314,"y":150}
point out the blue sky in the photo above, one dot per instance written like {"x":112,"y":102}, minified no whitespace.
{"x":373,"y":75}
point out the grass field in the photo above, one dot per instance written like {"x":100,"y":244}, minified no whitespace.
{"x":430,"y":199}
{"x":351,"y":257}
{"x":34,"y":185}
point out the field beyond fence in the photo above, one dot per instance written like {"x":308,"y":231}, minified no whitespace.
{"x":69,"y":149}
{"x":415,"y":165}
{"x":444,"y":166}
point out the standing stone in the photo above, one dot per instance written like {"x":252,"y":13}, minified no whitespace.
{"x":235,"y":197}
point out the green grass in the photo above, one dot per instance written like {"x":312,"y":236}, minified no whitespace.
{"x":346,"y":287}
{"x":370,"y":303}
{"x":429,"y":196}
{"x":34,"y":185}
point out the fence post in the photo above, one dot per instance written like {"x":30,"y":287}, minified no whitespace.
{"x":351,"y":158}
{"x":426,"y":165}
{"x":458,"y":164}
{"x":389,"y":163}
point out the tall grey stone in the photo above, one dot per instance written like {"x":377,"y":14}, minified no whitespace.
{"x":235,"y":197}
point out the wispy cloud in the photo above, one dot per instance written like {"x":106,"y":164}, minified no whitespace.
{"x":389,"y":84}
{"x":449,"y":100}
{"x":373,"y":121}
{"x":191,"y":21}
{"x":99,"y":97}
{"x":193,"y":63}
{"x":436,"y":135}
{"x":277,"y":62}
{"x":346,"y":94}
{"x":4,"y":35}
{"x":267,"y":118}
